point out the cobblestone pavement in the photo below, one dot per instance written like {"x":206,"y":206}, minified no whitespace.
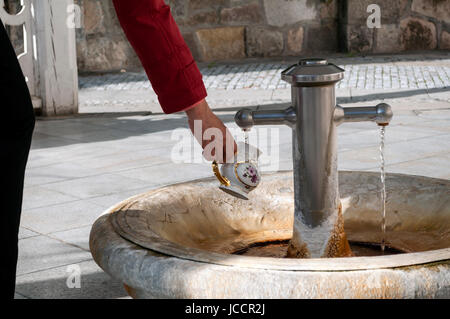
{"x":369,"y":73}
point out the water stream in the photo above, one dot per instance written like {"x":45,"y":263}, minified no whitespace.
{"x":246,"y":140}
{"x":383,"y":189}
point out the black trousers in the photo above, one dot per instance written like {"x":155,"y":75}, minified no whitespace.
{"x":15,"y":139}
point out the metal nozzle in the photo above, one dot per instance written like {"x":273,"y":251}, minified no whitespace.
{"x":381,"y":114}
{"x":246,"y":118}
{"x":385,"y":114}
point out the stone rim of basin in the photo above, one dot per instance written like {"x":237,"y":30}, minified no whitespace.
{"x":164,"y":246}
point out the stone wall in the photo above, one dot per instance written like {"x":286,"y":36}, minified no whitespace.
{"x":101,"y":43}
{"x":215,"y":30}
{"x":220,"y":30}
{"x":223,"y":30}
{"x":406,"y":25}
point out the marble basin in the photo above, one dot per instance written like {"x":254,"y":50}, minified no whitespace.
{"x":180,"y":241}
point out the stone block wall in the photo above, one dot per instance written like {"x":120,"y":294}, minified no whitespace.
{"x":235,"y":29}
{"x":101,"y":43}
{"x":215,"y":30}
{"x":406,"y":25}
{"x":221,"y":30}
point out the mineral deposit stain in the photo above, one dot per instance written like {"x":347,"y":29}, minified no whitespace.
{"x":278,"y":249}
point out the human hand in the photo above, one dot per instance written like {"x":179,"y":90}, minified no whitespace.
{"x":216,"y":140}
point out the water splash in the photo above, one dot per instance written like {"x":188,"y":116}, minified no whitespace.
{"x":383,"y":189}
{"x":246,"y":140}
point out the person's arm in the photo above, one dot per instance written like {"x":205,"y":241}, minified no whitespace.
{"x":167,"y":60}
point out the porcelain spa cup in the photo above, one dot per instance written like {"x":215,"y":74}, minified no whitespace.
{"x":240,"y":177}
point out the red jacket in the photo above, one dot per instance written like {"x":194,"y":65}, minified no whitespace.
{"x":168,"y":62}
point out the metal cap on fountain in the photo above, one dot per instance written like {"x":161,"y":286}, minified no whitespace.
{"x":313,"y":118}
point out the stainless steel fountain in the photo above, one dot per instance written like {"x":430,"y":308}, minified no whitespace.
{"x":314,"y":117}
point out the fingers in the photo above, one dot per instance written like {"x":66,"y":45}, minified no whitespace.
{"x":219,"y":145}
{"x":216,"y":140}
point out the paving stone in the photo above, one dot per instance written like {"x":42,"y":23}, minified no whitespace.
{"x":55,"y":173}
{"x":41,"y":141}
{"x":433,"y":167}
{"x":52,"y":283}
{"x":68,"y":152}
{"x":41,"y":253}
{"x":99,"y":185}
{"x":395,"y":153}
{"x":251,"y":75}
{"x":37,"y":196}
{"x":169,"y":173}
{"x":78,"y":237}
{"x":371,"y":137}
{"x":124,"y":160}
{"x":26,"y":233}
{"x":61,"y":217}
{"x":108,"y":201}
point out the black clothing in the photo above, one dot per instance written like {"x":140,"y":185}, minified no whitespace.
{"x":15,"y":140}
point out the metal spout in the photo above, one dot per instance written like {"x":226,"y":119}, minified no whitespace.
{"x":246,"y":118}
{"x":381,"y":114}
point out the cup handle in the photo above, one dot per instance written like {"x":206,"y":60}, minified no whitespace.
{"x":222,"y":179}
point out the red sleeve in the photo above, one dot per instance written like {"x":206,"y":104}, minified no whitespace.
{"x":167,"y":60}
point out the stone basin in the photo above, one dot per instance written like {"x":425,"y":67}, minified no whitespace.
{"x":179,"y":241}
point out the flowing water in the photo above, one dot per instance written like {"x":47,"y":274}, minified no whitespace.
{"x":246,"y":139}
{"x":383,"y":190}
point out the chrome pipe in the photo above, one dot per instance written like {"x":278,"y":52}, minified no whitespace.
{"x":381,"y":114}
{"x":246,"y":118}
{"x":315,"y":154}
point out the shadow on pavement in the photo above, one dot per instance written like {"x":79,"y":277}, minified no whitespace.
{"x":101,"y":127}
{"x":96,"y":285}
{"x":390,"y":95}
{"x":107,"y":127}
